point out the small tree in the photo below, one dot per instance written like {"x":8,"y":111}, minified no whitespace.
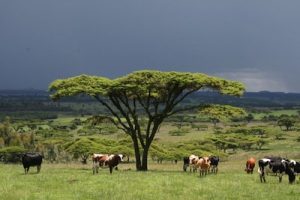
{"x":249,"y":118}
{"x":6,"y":131}
{"x":261,"y":142}
{"x":217,"y":113}
{"x":154,"y":94}
{"x":286,"y":121}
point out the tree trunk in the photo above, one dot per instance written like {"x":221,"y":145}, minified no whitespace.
{"x":137,"y":154}
{"x":144,"y":166}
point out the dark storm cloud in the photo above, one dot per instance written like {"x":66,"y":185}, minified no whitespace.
{"x":256,"y":42}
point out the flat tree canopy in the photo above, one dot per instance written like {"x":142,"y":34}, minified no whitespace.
{"x":156,"y":94}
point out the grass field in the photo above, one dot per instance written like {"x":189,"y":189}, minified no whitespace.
{"x":163,"y":181}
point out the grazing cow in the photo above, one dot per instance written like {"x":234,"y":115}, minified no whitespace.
{"x":105,"y":160}
{"x":186,"y":162}
{"x":275,"y":165}
{"x":192,"y":162}
{"x":203,"y":164}
{"x":32,"y":159}
{"x":250,"y":164}
{"x":214,"y":162}
{"x":296,"y":167}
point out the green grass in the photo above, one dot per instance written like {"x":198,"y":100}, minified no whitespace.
{"x":164,"y":181}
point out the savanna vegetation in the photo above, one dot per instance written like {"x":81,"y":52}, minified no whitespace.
{"x":68,"y":131}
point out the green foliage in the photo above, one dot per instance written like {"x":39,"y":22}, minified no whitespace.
{"x":11,"y":154}
{"x":244,"y":138}
{"x":219,"y":113}
{"x":160,"y":152}
{"x":85,"y":146}
{"x":156,"y":94}
{"x":12,"y":149}
{"x":287,"y":121}
{"x":249,"y":118}
{"x":179,"y":132}
{"x":200,"y":127}
{"x":6,"y":131}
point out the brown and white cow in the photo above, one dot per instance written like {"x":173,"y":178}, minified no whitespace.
{"x":203,"y":164}
{"x":192,"y":162}
{"x":96,"y":161}
{"x":105,"y":160}
{"x":250,"y":164}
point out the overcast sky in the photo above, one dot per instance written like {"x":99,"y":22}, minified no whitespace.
{"x":256,"y":42}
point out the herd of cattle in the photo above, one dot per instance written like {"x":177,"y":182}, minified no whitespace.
{"x":269,"y":165}
{"x":204,"y":164}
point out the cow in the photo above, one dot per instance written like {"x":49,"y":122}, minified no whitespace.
{"x":250,"y":164}
{"x":203,"y":164}
{"x":214,"y":162}
{"x":113,"y":161}
{"x":296,"y":167}
{"x":105,"y":160}
{"x":96,"y":158}
{"x":192,"y":162}
{"x":277,"y":166}
{"x":186,"y":162}
{"x":32,"y":159}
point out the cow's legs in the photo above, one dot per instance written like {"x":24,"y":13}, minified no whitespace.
{"x":95,"y":168}
{"x":261,"y":174}
{"x":280,"y":177}
{"x":184,"y":168}
{"x":110,"y":169}
{"x":262,"y":178}
{"x":38,"y":168}
{"x":201,"y":172}
{"x":26,"y":170}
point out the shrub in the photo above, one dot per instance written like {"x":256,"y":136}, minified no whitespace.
{"x":179,"y":132}
{"x":11,"y":154}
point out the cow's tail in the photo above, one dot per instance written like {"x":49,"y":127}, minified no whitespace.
{"x":261,"y":172}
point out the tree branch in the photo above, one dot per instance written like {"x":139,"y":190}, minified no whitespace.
{"x":113,"y":113}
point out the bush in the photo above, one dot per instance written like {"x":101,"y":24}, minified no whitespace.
{"x":11,"y":154}
{"x":179,"y":132}
{"x":200,"y":127}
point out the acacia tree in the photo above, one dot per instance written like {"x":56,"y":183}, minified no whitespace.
{"x":154,"y":95}
{"x":217,"y":113}
{"x":287,"y":121}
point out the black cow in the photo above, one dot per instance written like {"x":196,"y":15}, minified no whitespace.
{"x":276,"y":165}
{"x":32,"y":159}
{"x":186,"y":163}
{"x":214,"y":162}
